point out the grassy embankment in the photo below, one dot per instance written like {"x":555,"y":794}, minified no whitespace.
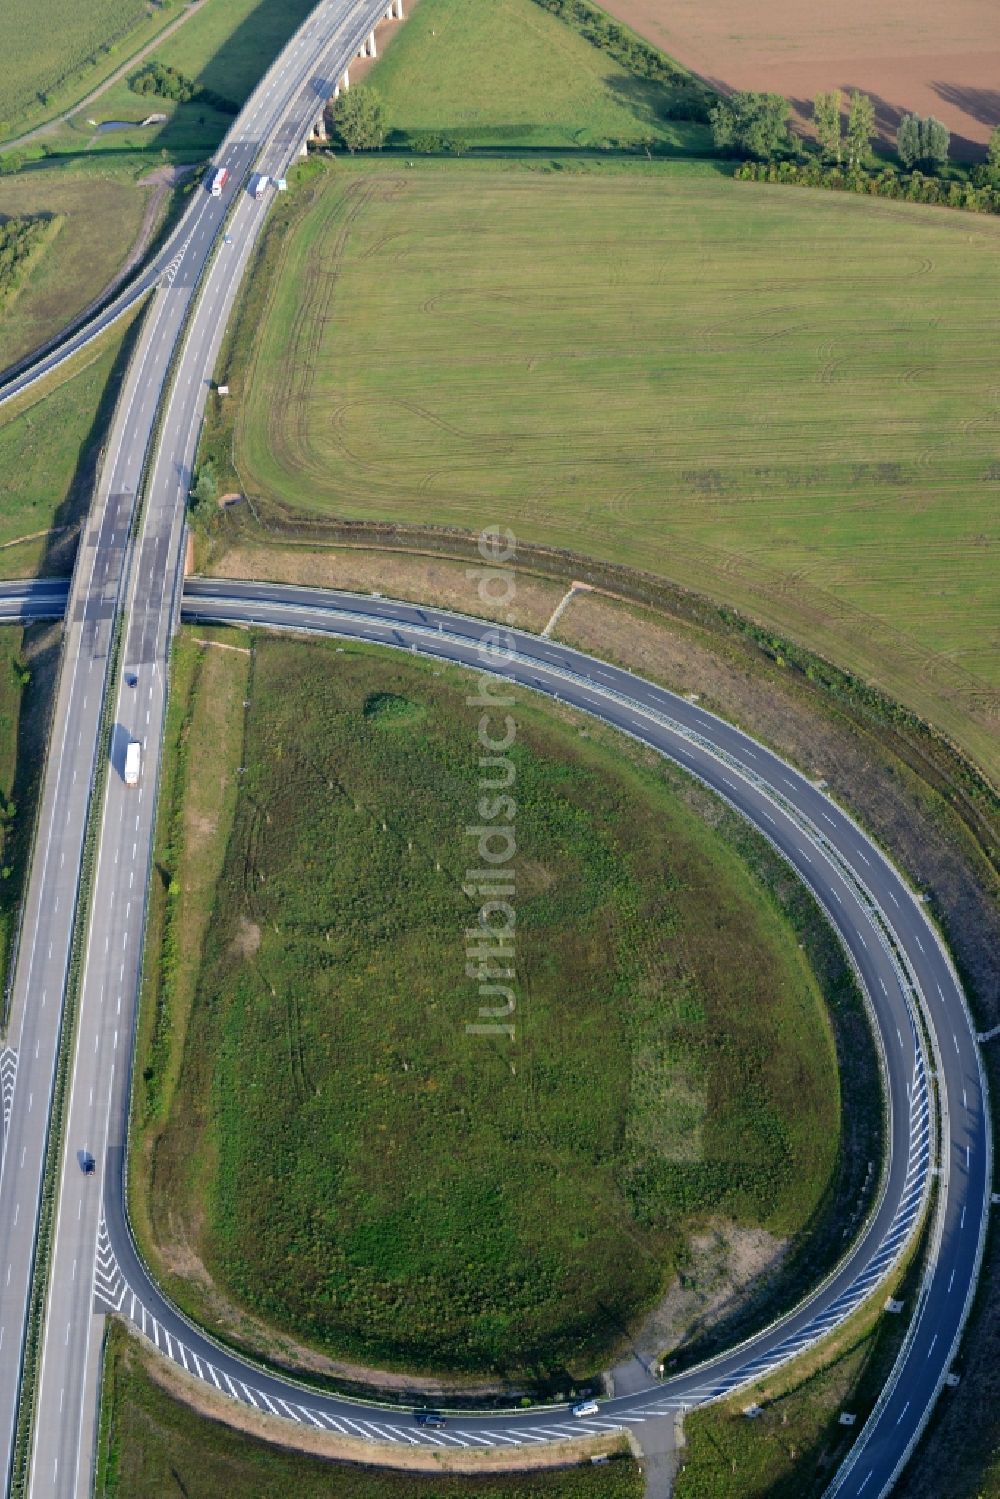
{"x":97,"y":215}
{"x":792,"y":1449}
{"x":152,"y":1444}
{"x":50,"y":441}
{"x":626,"y":364}
{"x":511,"y":75}
{"x":319,"y":1005}
{"x":28,"y":661}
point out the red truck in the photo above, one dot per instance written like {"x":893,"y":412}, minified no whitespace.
{"x":219,"y":180}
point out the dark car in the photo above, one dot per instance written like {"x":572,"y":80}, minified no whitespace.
{"x":429,"y":1418}
{"x":130,"y":679}
{"x":87,"y":1163}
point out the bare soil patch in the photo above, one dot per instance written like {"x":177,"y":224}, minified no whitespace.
{"x":725,"y":1261}
{"x":910,"y":55}
{"x":425,"y":580}
{"x":247,"y":939}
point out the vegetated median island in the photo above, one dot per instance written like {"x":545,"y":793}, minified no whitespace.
{"x":28,"y":663}
{"x":770,"y":397}
{"x":321,"y":1147}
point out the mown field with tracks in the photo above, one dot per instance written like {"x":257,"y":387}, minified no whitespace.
{"x":783,"y":399}
{"x":45,"y":47}
{"x":320,"y":1140}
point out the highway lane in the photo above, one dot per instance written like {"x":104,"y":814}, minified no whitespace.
{"x":36,"y":1007}
{"x":115,"y":572}
{"x":886,"y":931}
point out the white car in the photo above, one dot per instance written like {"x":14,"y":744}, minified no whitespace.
{"x":587,"y":1408}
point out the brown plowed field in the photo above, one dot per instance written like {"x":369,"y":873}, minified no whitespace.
{"x":910,"y":55}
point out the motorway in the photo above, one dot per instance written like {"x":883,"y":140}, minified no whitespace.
{"x":898,"y":957}
{"x":127,"y":569}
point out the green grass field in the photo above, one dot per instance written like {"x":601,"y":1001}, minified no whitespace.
{"x":782,"y":399}
{"x":509,"y":74}
{"x":152,"y":1446}
{"x":50,"y":439}
{"x":99,"y":218}
{"x":421,"y":1195}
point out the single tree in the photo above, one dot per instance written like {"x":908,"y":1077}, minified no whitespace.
{"x":935,"y":142}
{"x":205,"y":492}
{"x":860,"y":129}
{"x":908,"y":140}
{"x":753,"y":124}
{"x":360,"y":119}
{"x":827,"y":111}
{"x":922,"y":142}
{"x":993,"y":151}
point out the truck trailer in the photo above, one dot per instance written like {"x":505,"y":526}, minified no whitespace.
{"x":219,"y":180}
{"x":133,"y":761}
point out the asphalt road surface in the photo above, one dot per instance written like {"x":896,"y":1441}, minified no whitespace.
{"x":118,"y":570}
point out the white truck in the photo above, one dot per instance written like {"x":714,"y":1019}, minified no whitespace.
{"x":260,"y":185}
{"x":133,"y":761}
{"x":218,"y":182}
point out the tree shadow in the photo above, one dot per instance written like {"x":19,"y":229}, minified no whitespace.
{"x":41,"y":650}
{"x":888,"y":116}
{"x":980,"y":104}
{"x":651,"y":104}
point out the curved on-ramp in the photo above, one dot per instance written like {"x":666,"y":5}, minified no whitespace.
{"x":911,"y":987}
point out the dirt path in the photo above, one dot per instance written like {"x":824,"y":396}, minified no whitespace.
{"x":161,"y":36}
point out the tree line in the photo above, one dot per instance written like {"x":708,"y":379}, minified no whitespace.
{"x":755,"y":126}
{"x":164,"y":82}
